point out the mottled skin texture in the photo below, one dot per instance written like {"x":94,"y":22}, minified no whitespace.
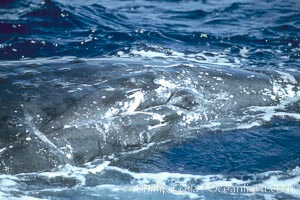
{"x":132,"y":105}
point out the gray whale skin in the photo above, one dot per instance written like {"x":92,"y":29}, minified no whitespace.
{"x":127,"y":105}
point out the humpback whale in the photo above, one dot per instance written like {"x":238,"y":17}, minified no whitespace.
{"x":75,"y":111}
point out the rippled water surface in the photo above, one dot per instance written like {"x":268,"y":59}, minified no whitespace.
{"x":209,"y":89}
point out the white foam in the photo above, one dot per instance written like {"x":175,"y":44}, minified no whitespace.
{"x":268,"y":183}
{"x":148,"y":54}
{"x":140,"y":150}
{"x":278,"y":181}
{"x":286,"y":88}
{"x":111,"y":112}
{"x":215,"y":58}
{"x":99,"y":168}
{"x":138,"y":98}
{"x":165,"y":83}
{"x":145,"y":147}
{"x":244,"y":51}
{"x":19,"y":197}
{"x":288,"y":78}
{"x":248,"y":125}
{"x":69,"y":171}
{"x":161,"y":177}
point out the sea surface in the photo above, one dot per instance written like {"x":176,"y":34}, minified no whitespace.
{"x":45,"y":46}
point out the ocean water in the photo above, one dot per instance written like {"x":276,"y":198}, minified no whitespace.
{"x":204,"y":96}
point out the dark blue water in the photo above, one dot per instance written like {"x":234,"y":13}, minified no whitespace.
{"x":241,"y":34}
{"x":267,"y":148}
{"x":268,"y":29}
{"x":271,"y":147}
